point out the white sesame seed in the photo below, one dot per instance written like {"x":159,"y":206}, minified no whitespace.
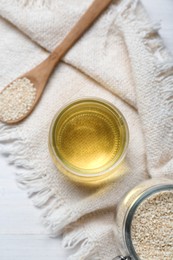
{"x":17,"y":99}
{"x":153,"y":238}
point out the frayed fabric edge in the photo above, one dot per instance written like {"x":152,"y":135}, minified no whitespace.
{"x":162,"y":58}
{"x":14,"y":149}
{"x":76,"y":237}
{"x":148,"y":35}
{"x":28,"y":177}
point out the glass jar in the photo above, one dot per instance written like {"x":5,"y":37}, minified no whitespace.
{"x":88,"y":140}
{"x":126,"y":210}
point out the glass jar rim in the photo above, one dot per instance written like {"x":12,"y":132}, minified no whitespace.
{"x":129,"y":217}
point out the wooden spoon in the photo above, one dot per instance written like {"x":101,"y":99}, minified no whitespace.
{"x":40,"y":74}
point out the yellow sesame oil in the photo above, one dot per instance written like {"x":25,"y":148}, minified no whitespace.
{"x":88,"y":138}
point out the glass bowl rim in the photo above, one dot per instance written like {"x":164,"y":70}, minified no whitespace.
{"x":70,"y":170}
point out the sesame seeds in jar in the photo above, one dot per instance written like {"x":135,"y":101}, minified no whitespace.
{"x":17,"y":99}
{"x":144,"y":221}
{"x":152,"y":227}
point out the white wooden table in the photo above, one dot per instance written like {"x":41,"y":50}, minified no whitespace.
{"x":22,"y":236}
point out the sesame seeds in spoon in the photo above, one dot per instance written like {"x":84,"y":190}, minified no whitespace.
{"x":18,"y":99}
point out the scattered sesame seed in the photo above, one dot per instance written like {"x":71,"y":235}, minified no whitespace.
{"x":17,"y":99}
{"x":152,"y":227}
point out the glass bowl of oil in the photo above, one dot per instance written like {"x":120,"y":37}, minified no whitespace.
{"x":88,"y":140}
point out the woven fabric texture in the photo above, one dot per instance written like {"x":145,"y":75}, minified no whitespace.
{"x":121,"y":59}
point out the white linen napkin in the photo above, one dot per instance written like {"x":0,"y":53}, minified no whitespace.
{"x":121,"y":59}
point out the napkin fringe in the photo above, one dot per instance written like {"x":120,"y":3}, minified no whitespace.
{"x":86,"y":251}
{"x":162,"y":65}
{"x":165,"y":77}
{"x":149,"y":35}
{"x":78,"y":237}
{"x":164,"y":68}
{"x":55,"y":216}
{"x":13,"y":147}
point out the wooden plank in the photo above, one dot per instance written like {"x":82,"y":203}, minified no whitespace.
{"x":30,"y":247}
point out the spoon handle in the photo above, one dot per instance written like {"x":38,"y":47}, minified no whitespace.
{"x":96,"y":8}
